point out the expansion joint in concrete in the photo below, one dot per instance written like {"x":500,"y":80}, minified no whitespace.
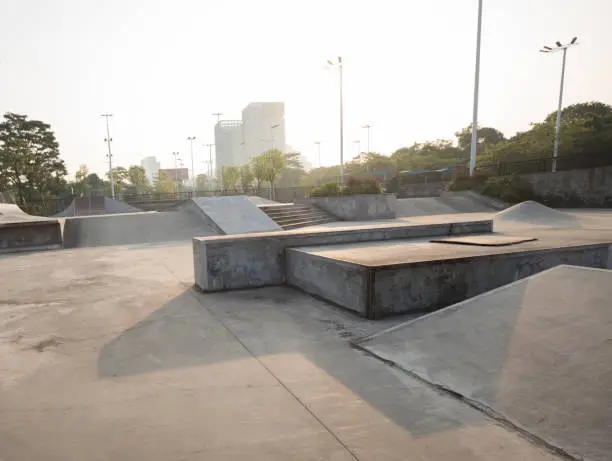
{"x":477,"y":405}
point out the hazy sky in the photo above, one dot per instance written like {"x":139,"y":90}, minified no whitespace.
{"x":162,"y":67}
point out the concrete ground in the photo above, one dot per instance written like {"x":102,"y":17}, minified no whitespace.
{"x":536,"y":352}
{"x":108,"y":354}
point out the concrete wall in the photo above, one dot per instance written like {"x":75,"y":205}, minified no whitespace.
{"x":376,"y":292}
{"x":587,"y":187}
{"x":254,"y":260}
{"x":571,"y":188}
{"x":29,"y":236}
{"x":358,"y":207}
{"x":437,"y":284}
{"x":432,"y":189}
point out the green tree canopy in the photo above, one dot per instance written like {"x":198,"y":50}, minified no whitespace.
{"x":246,"y":176}
{"x":164,"y":184}
{"x":30,"y":163}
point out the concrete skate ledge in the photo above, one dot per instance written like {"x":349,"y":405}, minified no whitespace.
{"x":255,"y":260}
{"x":423,"y":276}
{"x":31,"y":235}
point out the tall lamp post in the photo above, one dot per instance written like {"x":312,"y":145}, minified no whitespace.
{"x":109,"y":155}
{"x":191,"y":139}
{"x":548,"y":49}
{"x":366,"y":126}
{"x":358,"y":142}
{"x":318,"y":143}
{"x":340,"y":64}
{"x":175,"y":155}
{"x":276,"y":125}
{"x":210,"y":165}
{"x":476,"y":84}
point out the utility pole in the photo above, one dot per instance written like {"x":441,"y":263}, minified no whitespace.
{"x":318,"y":143}
{"x":366,"y":126}
{"x":272,"y":135}
{"x":109,"y":155}
{"x":340,"y":64}
{"x":175,"y":155}
{"x":210,"y":164}
{"x":476,"y":84}
{"x":191,"y":139}
{"x":218,"y":115}
{"x":548,"y":49}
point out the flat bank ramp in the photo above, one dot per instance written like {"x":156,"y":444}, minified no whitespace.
{"x":134,"y":228}
{"x":535,"y":353}
{"x":447,"y":204}
{"x":232,"y":215}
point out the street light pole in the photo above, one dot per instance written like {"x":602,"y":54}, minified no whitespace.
{"x":318,"y":143}
{"x":109,"y":155}
{"x":272,"y":135}
{"x":476,"y":84}
{"x":340,"y":65}
{"x":218,"y":115}
{"x":175,"y":155}
{"x":548,"y":49}
{"x":191,"y":139}
{"x":368,"y":128}
{"x":358,"y":142}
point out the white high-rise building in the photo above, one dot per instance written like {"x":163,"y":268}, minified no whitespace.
{"x":263,"y":128}
{"x":228,"y":144}
{"x":151,"y":167}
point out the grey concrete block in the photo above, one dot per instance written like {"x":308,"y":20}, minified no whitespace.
{"x":358,"y":207}
{"x":254,"y":260}
{"x":425,"y":277}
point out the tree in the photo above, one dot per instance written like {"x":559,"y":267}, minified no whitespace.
{"x":258,"y":167}
{"x":370,"y":162}
{"x":30,"y":162}
{"x":580,"y":111}
{"x":93,"y":182}
{"x":434,"y":155}
{"x":201,"y":182}
{"x":81,"y":173}
{"x":229,"y":177}
{"x":164,"y":183}
{"x":137,"y":176}
{"x":486,"y":138}
{"x":246,"y":177}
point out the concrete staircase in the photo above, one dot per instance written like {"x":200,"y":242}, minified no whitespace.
{"x":293,"y":216}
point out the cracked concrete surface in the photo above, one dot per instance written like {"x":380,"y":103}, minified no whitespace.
{"x":137,"y":365}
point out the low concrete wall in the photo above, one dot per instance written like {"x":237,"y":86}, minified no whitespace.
{"x":358,"y":207}
{"x":437,"y":284}
{"x":30,"y":236}
{"x":375,"y":293}
{"x":254,"y":260}
{"x":432,"y":189}
{"x":573,"y":188}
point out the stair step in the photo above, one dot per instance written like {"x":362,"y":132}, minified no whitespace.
{"x":297,"y":219}
{"x":308,"y":223}
{"x":295,"y":215}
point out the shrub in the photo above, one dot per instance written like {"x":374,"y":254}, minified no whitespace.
{"x":511,"y":189}
{"x":328,"y":189}
{"x":356,"y":186}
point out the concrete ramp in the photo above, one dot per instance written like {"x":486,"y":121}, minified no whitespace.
{"x":448,"y":203}
{"x":20,"y":231}
{"x":90,"y":206}
{"x":536,"y":354}
{"x":531,"y":212}
{"x":133,"y":228}
{"x":232,"y":215}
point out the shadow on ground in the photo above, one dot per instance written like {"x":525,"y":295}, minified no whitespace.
{"x":273,"y":325}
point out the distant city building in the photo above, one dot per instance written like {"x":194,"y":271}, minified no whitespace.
{"x":177,"y":174}
{"x":151,"y":167}
{"x":228,"y":144}
{"x":263,"y":128}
